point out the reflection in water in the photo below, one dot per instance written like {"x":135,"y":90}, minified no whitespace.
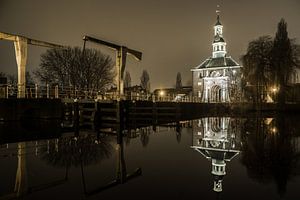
{"x":271,"y":150}
{"x":21,"y":175}
{"x":22,"y":188}
{"x":270,"y":153}
{"x":217,"y":139}
{"x":72,"y":151}
{"x":121,"y":172}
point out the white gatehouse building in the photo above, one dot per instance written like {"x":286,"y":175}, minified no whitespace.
{"x":218,"y":78}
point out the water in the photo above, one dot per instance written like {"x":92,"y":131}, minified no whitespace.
{"x":257,"y":158}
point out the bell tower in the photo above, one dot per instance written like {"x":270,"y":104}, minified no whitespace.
{"x":219,"y":44}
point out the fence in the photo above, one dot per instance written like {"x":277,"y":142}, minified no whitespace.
{"x":54,"y":91}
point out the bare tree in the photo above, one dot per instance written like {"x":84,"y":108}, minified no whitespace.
{"x":72,"y":67}
{"x":127,"y":80}
{"x":12,"y":79}
{"x":145,"y":81}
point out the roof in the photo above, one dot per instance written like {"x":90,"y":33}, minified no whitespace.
{"x":218,"y":39}
{"x":226,"y":61}
{"x":219,"y":155}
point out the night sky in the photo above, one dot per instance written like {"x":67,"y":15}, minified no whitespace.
{"x":174,"y":36}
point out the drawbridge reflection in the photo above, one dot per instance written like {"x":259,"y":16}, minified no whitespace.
{"x":121,"y":177}
{"x":218,"y":140}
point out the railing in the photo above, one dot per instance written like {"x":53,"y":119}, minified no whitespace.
{"x":55,"y":92}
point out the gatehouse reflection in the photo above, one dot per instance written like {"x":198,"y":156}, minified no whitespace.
{"x":217,"y":139}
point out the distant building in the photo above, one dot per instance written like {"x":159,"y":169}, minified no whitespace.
{"x":133,"y":92}
{"x":173,"y":93}
{"x":218,"y":140}
{"x":218,"y":78}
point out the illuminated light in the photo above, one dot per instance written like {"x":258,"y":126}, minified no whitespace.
{"x":274,"y":89}
{"x":162,"y":93}
{"x":274,"y":130}
{"x":199,"y":83}
{"x":233,"y":71}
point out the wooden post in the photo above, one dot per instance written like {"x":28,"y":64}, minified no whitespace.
{"x":21,"y":57}
{"x":76,"y":117}
{"x":36,"y":91}
{"x":177,"y":111}
{"x":56,"y":91}
{"x":154,"y":114}
{"x":47,"y":88}
{"x":6,"y":91}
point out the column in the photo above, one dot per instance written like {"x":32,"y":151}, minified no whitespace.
{"x":21,"y":57}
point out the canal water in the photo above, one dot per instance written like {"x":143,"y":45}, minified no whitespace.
{"x":206,"y":158}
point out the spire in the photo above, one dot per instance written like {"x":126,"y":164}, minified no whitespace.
{"x":218,"y":16}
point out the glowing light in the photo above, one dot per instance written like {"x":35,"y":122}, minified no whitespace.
{"x":274,"y":130}
{"x":162,"y":93}
{"x":199,"y":83}
{"x":274,"y":89}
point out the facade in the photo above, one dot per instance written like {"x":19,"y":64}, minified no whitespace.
{"x":218,"y":140}
{"x":218,"y":78}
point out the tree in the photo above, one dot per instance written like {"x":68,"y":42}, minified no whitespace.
{"x":29,"y":79}
{"x":2,"y":75}
{"x":178,"y":81}
{"x":12,"y":79}
{"x":127,"y":80}
{"x":88,"y":69}
{"x":270,"y":63}
{"x":145,"y":81}
{"x":285,"y":59}
{"x":256,"y":68}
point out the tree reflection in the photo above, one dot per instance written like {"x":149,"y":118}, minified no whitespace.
{"x":270,"y":151}
{"x":73,"y":151}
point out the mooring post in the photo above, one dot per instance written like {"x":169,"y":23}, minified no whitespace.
{"x":177,"y":111}
{"x":76,"y":117}
{"x":6,"y":92}
{"x":154,"y":114}
{"x":119,"y":120}
{"x":36,"y":90}
{"x":56,"y":91}
{"x":47,"y":90}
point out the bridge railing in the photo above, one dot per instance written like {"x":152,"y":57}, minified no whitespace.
{"x":55,"y":91}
